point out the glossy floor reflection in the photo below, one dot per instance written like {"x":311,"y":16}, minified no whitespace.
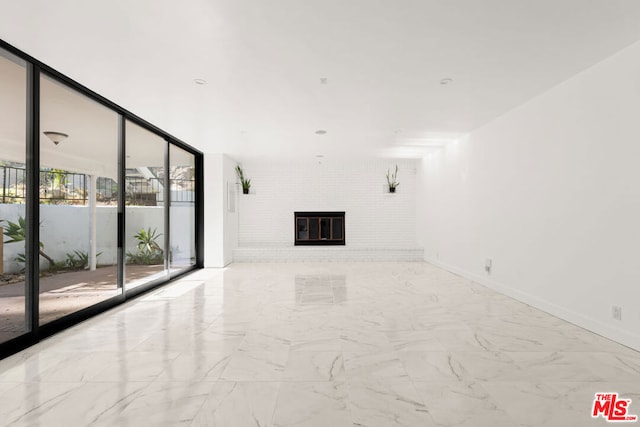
{"x":328,"y":344}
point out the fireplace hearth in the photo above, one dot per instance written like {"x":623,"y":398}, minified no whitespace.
{"x":319,"y":228}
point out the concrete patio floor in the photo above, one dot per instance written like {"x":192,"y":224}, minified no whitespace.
{"x":65,"y":293}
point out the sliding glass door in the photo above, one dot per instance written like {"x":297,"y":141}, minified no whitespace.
{"x":182,"y":211}
{"x":95,"y":203}
{"x":145,"y":207}
{"x":13,"y":291}
{"x":78,"y":221}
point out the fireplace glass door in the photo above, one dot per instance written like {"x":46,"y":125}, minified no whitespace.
{"x":319,"y":228}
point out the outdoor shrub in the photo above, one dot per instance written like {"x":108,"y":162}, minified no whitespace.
{"x":148,"y":250}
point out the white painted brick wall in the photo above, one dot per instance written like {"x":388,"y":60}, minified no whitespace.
{"x":374,"y":218}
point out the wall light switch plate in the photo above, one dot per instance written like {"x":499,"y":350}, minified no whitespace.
{"x":616,"y":312}
{"x":487,"y":265}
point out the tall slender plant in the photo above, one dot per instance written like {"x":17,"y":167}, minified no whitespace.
{"x":392,"y":180}
{"x":246,"y":183}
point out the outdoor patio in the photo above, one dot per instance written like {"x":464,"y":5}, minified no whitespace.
{"x":65,"y":293}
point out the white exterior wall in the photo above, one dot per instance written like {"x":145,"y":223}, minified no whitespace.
{"x":551,"y":193}
{"x":66,"y":228}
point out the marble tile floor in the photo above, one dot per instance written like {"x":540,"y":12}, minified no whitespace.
{"x":326,"y":344}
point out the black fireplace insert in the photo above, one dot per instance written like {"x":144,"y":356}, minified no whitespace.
{"x":319,"y":228}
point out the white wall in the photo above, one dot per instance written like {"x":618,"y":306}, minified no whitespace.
{"x":220,"y":224}
{"x":551,"y":192}
{"x":230,"y":206}
{"x":373,"y":217}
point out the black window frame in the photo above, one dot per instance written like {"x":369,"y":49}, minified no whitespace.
{"x":33,"y":331}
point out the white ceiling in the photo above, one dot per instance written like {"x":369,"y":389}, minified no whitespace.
{"x":263,"y":61}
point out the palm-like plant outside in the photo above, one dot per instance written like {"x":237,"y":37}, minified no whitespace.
{"x":17,"y":232}
{"x":148,"y":250}
{"x":147,"y":240}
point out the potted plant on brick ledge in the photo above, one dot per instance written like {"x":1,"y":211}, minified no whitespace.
{"x":392,"y":180}
{"x":246,"y":183}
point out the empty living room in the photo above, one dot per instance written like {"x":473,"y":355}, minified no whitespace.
{"x":320,"y":213}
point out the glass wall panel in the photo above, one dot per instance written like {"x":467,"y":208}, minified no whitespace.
{"x":78,"y":207}
{"x":145,"y":207}
{"x":13,"y":110}
{"x":182,"y":213}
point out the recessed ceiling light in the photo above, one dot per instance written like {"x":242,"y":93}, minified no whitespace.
{"x":446,"y":81}
{"x":321,"y":132}
{"x":200,"y":82}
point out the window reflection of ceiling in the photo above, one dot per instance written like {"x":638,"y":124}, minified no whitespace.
{"x":92,"y":128}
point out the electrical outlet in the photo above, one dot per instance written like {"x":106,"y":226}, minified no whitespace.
{"x":616,"y":312}
{"x":487,"y":265}
{"x":437,"y":255}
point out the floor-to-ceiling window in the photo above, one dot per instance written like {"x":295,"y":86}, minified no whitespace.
{"x":78,"y":223}
{"x":95,"y":203}
{"x":13,"y":95}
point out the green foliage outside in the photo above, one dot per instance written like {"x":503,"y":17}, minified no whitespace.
{"x":148,"y":250}
{"x":17,"y":232}
{"x":78,"y":260}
